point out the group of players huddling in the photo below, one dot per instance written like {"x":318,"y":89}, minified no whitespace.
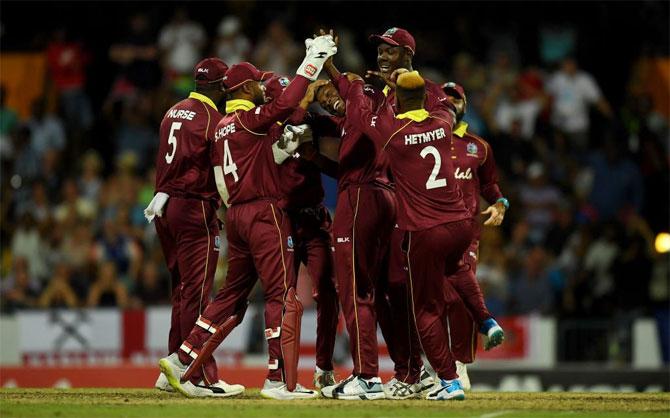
{"x":401,"y":251}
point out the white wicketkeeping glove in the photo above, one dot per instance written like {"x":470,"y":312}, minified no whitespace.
{"x":317,"y":51}
{"x":290,"y":140}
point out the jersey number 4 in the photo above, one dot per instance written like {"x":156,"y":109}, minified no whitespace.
{"x":433,"y":182}
{"x":229,"y":165}
{"x":172,"y":141}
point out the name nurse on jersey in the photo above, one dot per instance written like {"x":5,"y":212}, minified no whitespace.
{"x":423,"y":137}
{"x":181,"y":114}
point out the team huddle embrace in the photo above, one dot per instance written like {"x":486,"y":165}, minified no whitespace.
{"x":400,"y":252}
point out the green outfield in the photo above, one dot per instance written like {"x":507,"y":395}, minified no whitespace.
{"x":146,"y":403}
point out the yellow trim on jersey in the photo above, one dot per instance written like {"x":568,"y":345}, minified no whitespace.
{"x":386,"y":90}
{"x":418,"y":115}
{"x":239,"y":104}
{"x":461,"y":129}
{"x":202,"y":98}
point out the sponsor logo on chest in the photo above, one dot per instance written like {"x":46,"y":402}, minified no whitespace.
{"x":463,"y":175}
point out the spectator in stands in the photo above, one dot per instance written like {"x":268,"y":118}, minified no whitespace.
{"x":47,"y":131}
{"x":231,"y":45}
{"x":27,"y":243}
{"x":598,"y":262}
{"x":276,"y":50}
{"x":136,"y":56}
{"x":617,"y":182}
{"x":539,"y":200}
{"x":67,"y":62}
{"x":573,"y":92}
{"x":73,"y":207}
{"x":19,"y":290}
{"x":135,"y":134}
{"x":9,"y":122}
{"x":90,"y":181}
{"x":26,"y":160}
{"x":152,"y":287}
{"x":116,"y":246}
{"x":38,"y":205}
{"x":181,"y":42}
{"x":59,"y":293}
{"x":530,"y":289}
{"x":107,"y":290}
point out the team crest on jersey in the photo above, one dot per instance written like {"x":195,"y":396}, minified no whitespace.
{"x":283,"y":81}
{"x":471,"y":148}
{"x":390,"y":32}
{"x":289,"y":242}
{"x":217,"y":243}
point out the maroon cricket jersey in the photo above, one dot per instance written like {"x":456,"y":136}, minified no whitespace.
{"x":183,"y":165}
{"x":418,"y":146}
{"x":361,"y":161}
{"x":243,"y":147}
{"x":434,"y":96}
{"x":474,"y":168}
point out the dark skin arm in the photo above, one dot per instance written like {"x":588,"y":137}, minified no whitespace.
{"x":325,"y":164}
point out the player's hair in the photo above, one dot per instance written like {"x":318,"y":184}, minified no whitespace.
{"x":410,"y":90}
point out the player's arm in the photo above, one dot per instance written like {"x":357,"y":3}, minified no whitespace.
{"x":377,"y":126}
{"x":327,"y":166}
{"x":490,"y":191}
{"x":259,"y":119}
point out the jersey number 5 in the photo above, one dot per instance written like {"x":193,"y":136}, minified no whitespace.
{"x":433,"y":182}
{"x":172,"y":141}
{"x":229,"y":165}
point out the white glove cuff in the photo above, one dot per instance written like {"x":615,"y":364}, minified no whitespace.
{"x":279,"y":154}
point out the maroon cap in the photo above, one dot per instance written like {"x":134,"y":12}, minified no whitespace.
{"x":240,"y":73}
{"x":275,"y":86}
{"x":396,"y":37}
{"x":454,"y":89}
{"x":209,"y":70}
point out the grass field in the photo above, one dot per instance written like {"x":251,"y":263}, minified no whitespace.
{"x":146,"y":403}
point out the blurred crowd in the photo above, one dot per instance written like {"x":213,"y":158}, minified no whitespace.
{"x":587,"y":178}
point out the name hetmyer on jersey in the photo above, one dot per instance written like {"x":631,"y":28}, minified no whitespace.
{"x":423,"y":137}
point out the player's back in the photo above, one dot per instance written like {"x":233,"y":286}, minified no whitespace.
{"x":183,"y":163}
{"x":419,"y":153}
{"x":249,"y":170}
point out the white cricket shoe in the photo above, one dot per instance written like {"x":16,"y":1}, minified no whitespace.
{"x":395,"y":389}
{"x":462,"y":372}
{"x":279,"y":391}
{"x":323,"y":378}
{"x":426,"y":379}
{"x":163,"y":384}
{"x":445,"y":390}
{"x":173,"y":369}
{"x":356,"y":388}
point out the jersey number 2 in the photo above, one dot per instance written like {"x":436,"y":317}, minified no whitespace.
{"x":172,"y":141}
{"x":433,"y":182}
{"x":229,"y":165}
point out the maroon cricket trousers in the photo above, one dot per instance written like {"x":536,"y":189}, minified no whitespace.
{"x":260,"y":246}
{"x":431,"y":254}
{"x":312,"y":229}
{"x":364,"y":219}
{"x":189,"y":236}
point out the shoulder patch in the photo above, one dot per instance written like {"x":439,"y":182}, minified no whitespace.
{"x":471,"y":148}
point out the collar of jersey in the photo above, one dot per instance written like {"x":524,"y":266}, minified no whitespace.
{"x":417,"y":115}
{"x":460,"y":129}
{"x":239,"y":104}
{"x":386,"y":90}
{"x":202,"y":98}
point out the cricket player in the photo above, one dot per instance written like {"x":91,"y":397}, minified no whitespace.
{"x":475,"y":173}
{"x":185,"y":207}
{"x":311,"y":224}
{"x":245,"y":162}
{"x":364,"y":218}
{"x":436,"y":222}
{"x":395,"y":50}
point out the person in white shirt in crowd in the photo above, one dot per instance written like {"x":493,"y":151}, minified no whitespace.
{"x":231,"y":44}
{"x":573,"y":92}
{"x":181,"y":41}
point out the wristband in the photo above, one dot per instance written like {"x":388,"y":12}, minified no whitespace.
{"x":504,"y":201}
